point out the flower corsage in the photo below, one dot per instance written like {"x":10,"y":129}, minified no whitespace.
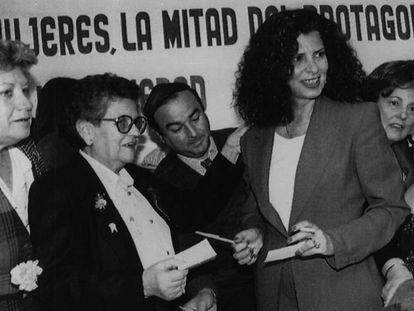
{"x":25,"y":275}
{"x":100,"y":202}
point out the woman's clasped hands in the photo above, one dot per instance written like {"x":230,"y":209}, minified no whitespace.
{"x":315,"y":240}
{"x":164,"y":280}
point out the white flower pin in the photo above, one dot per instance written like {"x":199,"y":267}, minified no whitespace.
{"x":112,"y":227}
{"x":100,"y":202}
{"x":25,"y":275}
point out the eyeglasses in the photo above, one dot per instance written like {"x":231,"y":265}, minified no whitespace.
{"x":124,"y":123}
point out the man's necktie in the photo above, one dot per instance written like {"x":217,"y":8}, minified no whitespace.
{"x":206,"y":163}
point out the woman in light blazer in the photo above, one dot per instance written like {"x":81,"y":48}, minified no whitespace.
{"x":321,"y":172}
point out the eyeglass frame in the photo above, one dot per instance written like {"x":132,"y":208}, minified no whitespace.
{"x":116,"y":121}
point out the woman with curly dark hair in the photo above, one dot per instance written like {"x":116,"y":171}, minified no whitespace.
{"x":322,"y":175}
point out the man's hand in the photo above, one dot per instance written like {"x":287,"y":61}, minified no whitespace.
{"x":247,"y":245}
{"x":395,"y":276}
{"x":164,"y":280}
{"x":231,"y":149}
{"x":205,"y":300}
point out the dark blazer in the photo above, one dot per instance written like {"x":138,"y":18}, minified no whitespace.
{"x":15,"y":246}
{"x":402,"y":244}
{"x":357,"y":199}
{"x":85,"y":265}
{"x":405,"y":158}
{"x":221,"y":188}
{"x":214,"y":189}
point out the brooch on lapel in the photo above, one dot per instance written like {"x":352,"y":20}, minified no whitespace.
{"x":112,"y":227}
{"x":404,"y":176}
{"x":100,"y":202}
{"x":25,"y":275}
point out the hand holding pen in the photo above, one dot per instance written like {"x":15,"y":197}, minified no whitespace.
{"x":317,"y":241}
{"x":247,"y":245}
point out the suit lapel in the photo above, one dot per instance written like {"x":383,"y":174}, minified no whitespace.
{"x":262,"y":146}
{"x":405,"y":160}
{"x":321,"y":138}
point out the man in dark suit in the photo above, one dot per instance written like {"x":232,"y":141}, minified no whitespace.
{"x":206,"y":161}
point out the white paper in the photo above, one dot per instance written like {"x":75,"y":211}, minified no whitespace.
{"x":283,"y":253}
{"x":196,"y":255}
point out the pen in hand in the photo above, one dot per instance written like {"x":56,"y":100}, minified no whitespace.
{"x":215,"y":237}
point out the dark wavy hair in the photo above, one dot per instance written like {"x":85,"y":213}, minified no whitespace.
{"x":262,"y":94}
{"x":92,"y":96}
{"x":384,"y":79}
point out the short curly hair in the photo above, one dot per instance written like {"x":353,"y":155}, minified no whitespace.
{"x":262,"y":94}
{"x":16,"y":54}
{"x":91,"y":98}
{"x":384,"y":79}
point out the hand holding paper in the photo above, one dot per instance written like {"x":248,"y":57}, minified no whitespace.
{"x":164,"y":280}
{"x":196,"y":255}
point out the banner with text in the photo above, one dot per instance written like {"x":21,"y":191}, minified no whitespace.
{"x":198,"y":42}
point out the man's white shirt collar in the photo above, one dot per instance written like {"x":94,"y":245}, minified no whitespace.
{"x":195,"y":163}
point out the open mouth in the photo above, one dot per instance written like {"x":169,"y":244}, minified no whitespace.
{"x":131,"y":144}
{"x":397,"y":126}
{"x":314,"y":82}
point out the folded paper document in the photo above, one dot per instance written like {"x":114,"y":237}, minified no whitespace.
{"x":283,"y":253}
{"x":196,"y":255}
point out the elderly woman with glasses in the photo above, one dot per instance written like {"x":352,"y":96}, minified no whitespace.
{"x":97,"y":228}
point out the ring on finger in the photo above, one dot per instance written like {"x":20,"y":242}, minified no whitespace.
{"x":316,"y":244}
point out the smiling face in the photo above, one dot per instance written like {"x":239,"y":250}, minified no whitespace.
{"x":397,"y":113}
{"x":310,"y":68}
{"x":109,"y":146}
{"x":184,"y":125}
{"x":15,"y":107}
